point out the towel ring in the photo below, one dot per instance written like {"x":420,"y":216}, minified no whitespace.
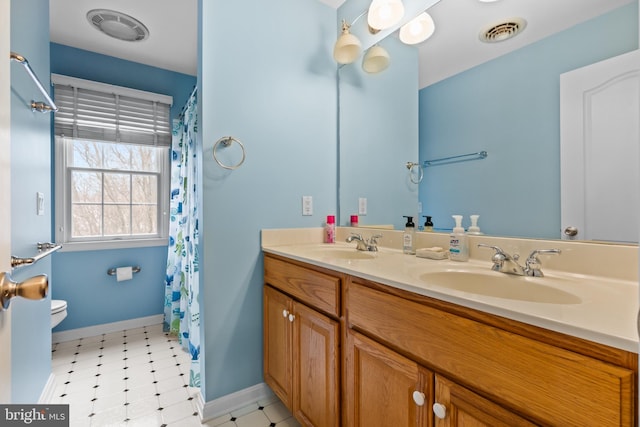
{"x":227,"y":141}
{"x":410,"y":166}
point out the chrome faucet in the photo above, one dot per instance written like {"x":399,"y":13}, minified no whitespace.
{"x":533,"y":264}
{"x":363,"y":244}
{"x":503,"y":262}
{"x":506,"y":263}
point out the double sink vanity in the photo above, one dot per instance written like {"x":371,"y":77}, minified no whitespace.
{"x":380,"y":338}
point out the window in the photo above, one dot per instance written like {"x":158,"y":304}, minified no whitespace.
{"x":112,"y":162}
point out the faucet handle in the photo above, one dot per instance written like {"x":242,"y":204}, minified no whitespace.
{"x":498,"y":258}
{"x":533,"y":264}
{"x":374,"y":239}
{"x":495,"y":248}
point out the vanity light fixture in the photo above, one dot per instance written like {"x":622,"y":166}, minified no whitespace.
{"x":347,"y":47}
{"x":385,"y":14}
{"x":376,"y":59}
{"x":418,"y":29}
{"x":118,"y":25}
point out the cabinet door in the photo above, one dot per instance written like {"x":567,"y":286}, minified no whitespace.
{"x":380,"y":386}
{"x":457,"y":406}
{"x":315,"y":368}
{"x":277,"y":344}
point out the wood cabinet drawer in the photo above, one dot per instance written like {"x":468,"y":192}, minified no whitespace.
{"x":316,"y":289}
{"x":549,"y":385}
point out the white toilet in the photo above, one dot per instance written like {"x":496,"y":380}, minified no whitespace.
{"x":58,"y":311}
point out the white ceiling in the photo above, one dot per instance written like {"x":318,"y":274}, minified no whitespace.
{"x":173,"y":28}
{"x":454,"y":47}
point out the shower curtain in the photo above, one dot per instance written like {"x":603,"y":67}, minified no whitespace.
{"x":181,"y":308}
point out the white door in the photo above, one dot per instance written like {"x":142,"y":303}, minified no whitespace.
{"x":5,"y":196}
{"x":600,"y":134}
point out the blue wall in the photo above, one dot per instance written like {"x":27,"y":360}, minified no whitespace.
{"x":81,"y":278}
{"x":510,"y":107}
{"x":275,"y":91}
{"x":30,"y":173}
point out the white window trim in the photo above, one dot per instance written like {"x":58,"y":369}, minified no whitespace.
{"x":63,"y":210}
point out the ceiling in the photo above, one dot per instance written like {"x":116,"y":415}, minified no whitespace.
{"x":454,"y":47}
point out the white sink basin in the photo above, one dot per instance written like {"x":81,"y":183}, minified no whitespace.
{"x":505,"y":286}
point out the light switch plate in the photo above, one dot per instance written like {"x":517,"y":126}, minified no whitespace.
{"x":307,"y":205}
{"x":362,"y":206}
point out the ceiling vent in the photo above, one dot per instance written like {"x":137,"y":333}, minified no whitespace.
{"x":118,"y":25}
{"x":503,"y":31}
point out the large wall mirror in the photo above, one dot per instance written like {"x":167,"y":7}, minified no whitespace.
{"x":507,"y":104}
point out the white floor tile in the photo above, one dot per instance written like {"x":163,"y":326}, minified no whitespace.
{"x":142,"y":407}
{"x":277,"y":412}
{"x":187,"y":422}
{"x":172,"y":397}
{"x":148,"y":420}
{"x":177,"y":411}
{"x":253,"y":419}
{"x":113,"y":416}
{"x":140,"y":393}
{"x":170,"y":384}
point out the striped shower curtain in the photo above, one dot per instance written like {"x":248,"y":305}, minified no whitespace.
{"x":181,"y":307}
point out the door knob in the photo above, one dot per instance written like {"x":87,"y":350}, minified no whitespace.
{"x":33,"y":288}
{"x":571,"y":231}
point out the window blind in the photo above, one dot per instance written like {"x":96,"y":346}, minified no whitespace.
{"x":96,"y":111}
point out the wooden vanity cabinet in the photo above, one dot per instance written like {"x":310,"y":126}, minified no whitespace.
{"x":488,"y":370}
{"x":302,"y":341}
{"x":384,"y":388}
{"x":411,"y":360}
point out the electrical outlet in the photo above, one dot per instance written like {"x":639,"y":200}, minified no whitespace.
{"x":362,"y":206}
{"x":307,"y":205}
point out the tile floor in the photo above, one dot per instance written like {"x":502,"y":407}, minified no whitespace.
{"x":140,"y":377}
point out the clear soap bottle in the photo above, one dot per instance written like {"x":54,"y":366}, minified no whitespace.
{"x":408,"y":237}
{"x":458,"y":242}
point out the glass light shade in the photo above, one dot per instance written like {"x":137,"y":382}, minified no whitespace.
{"x":385,"y":13}
{"x":418,"y":29}
{"x":376,"y":60}
{"x":347,"y":47}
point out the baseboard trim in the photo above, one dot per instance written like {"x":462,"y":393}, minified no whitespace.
{"x":106,"y":328}
{"x":233,"y":401}
{"x":47,"y":392}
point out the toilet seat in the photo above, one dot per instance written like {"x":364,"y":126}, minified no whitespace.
{"x":58,"y":305}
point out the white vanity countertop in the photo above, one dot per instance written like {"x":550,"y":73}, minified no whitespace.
{"x":603,"y":310}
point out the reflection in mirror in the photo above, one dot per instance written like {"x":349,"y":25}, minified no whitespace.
{"x":378,"y":135}
{"x":510,"y":107}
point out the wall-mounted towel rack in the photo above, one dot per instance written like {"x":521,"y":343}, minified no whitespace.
{"x":455,"y":159}
{"x":42,"y":107}
{"x":44,"y":249}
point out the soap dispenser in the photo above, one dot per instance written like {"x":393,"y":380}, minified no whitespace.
{"x":428,"y":225}
{"x":473,"y":228}
{"x":409,"y":236}
{"x":458,"y":242}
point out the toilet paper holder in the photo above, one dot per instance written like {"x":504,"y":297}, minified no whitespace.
{"x":112,"y":271}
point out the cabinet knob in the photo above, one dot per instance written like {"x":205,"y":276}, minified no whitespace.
{"x":440,"y":410}
{"x":418,"y":398}
{"x":285,"y":313}
{"x":292,"y":318}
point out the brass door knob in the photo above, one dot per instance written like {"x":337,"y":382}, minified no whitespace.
{"x":35,"y":288}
